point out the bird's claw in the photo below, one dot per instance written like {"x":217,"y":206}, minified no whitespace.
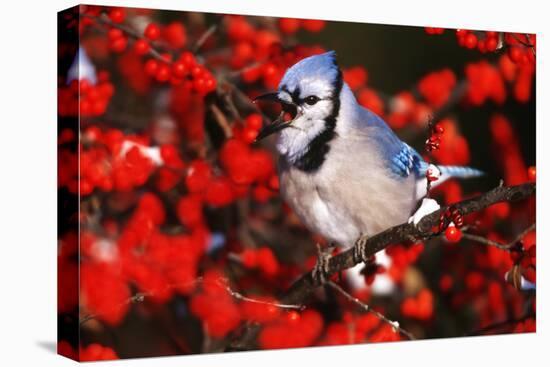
{"x":321,"y":269}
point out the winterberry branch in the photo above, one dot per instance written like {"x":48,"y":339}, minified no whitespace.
{"x":104,"y":19}
{"x":136,"y":298}
{"x":368,"y":246}
{"x":367,"y":308}
{"x":404,"y":232}
{"x":204,"y":37}
{"x":221,"y":120}
{"x":525,"y":44}
{"x":503,"y":246}
{"x":222,"y":282}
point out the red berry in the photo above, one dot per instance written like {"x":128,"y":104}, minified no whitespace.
{"x":198,"y":176}
{"x":470,"y":41}
{"x":178,"y":69}
{"x":188,"y":59}
{"x":453,"y":234}
{"x":249,"y":135}
{"x":189,"y":211}
{"x":293,"y":316}
{"x":532,"y":173}
{"x":249,"y":258}
{"x":141,"y":47}
{"x":515,"y":53}
{"x":119,"y":44}
{"x":289,"y":25}
{"x":151,"y":67}
{"x":175,"y":35}
{"x":152,"y":31}
{"x":219,"y":192}
{"x":197,"y":71}
{"x":491,"y":44}
{"x":163,"y":73}
{"x":313,"y":25}
{"x":114,"y":33}
{"x":254,"y":121}
{"x":117,"y":15}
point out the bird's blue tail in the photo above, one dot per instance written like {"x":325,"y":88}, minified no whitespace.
{"x":447,"y":172}
{"x":460,"y":171}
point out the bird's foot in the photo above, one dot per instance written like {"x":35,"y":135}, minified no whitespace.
{"x":321,"y":269}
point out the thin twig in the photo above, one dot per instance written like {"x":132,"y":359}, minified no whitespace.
{"x":104,"y":19}
{"x":220,"y":118}
{"x":204,"y":37}
{"x":244,"y":298}
{"x":136,"y":298}
{"x":501,"y":324}
{"x":223,"y":283}
{"x":365,"y":307}
{"x":503,"y":246}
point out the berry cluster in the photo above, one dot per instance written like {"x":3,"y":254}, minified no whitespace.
{"x":520,"y":47}
{"x":291,"y":25}
{"x":436,"y":87}
{"x":434,"y":140}
{"x":293,"y":330}
{"x":110,"y":160}
{"x":257,"y":54}
{"x":403,"y":257}
{"x":89,"y":353}
{"x":262,"y":259}
{"x":454,"y":148}
{"x":184,"y":70}
{"x":359,"y":328}
{"x":484,"y":83}
{"x":83,"y":98}
{"x":216,"y":308}
{"x":158,"y":265}
{"x":420,"y":307}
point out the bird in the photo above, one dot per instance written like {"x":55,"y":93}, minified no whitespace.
{"x":341,"y":168}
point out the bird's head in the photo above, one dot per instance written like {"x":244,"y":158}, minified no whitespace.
{"x":310,"y":93}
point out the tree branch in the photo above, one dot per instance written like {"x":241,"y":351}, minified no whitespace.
{"x":365,"y":307}
{"x":305,"y":285}
{"x":503,"y":246}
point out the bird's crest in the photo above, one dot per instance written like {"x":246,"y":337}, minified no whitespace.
{"x":317,"y":67}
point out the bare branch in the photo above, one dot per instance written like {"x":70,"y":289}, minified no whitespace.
{"x":503,"y":246}
{"x":221,"y":120}
{"x":104,"y":19}
{"x":305,"y":285}
{"x":222,"y":282}
{"x":365,"y":307}
{"x":204,"y":37}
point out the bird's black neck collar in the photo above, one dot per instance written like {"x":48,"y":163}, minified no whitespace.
{"x":318,"y":147}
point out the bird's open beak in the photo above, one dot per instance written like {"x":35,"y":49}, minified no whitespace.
{"x":279,"y":123}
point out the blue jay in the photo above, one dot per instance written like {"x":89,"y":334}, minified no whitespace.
{"x":341,"y":168}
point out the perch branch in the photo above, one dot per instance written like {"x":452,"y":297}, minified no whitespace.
{"x":305,"y":285}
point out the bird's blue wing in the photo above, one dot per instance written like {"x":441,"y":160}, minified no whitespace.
{"x":407,"y":161}
{"x":401,"y":159}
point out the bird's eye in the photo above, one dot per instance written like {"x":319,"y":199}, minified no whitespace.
{"x":311,"y":100}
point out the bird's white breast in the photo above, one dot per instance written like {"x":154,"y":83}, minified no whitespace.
{"x":351,"y":194}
